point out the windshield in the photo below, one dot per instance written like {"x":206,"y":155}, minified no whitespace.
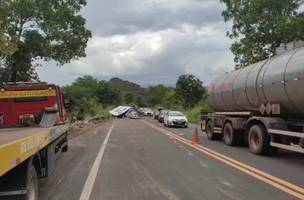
{"x":176,"y":114}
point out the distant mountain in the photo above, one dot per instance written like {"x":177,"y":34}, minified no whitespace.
{"x":126,"y":86}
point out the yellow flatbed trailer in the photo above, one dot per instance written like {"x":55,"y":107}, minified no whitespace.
{"x":20,"y":145}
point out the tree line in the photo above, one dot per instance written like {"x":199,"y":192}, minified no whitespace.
{"x":91,"y":95}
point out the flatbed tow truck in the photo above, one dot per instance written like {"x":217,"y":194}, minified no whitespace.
{"x":33,"y":134}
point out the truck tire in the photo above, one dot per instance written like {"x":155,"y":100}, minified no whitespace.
{"x":230,"y":136}
{"x":32,"y":184}
{"x":258,"y":140}
{"x":65,"y":149}
{"x":209,"y":131}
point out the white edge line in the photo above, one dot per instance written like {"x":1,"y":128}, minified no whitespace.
{"x":88,"y":187}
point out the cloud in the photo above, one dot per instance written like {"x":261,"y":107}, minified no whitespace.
{"x":150,"y":42}
{"x":130,"y":16}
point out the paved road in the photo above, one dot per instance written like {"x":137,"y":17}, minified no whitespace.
{"x":286,"y":165}
{"x":138,"y":161}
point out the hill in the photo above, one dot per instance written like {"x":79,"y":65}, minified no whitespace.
{"x":126,"y":86}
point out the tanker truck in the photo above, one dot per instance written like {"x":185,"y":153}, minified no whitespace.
{"x":261,"y":104}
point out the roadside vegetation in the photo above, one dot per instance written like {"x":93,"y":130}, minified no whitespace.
{"x":93,"y":97}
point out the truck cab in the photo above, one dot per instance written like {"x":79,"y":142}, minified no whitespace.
{"x":24,"y":104}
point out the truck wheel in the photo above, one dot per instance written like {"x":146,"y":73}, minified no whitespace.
{"x":258,"y":140}
{"x":32,"y":184}
{"x":209,"y":131}
{"x":231,"y":137}
{"x":65,"y":148}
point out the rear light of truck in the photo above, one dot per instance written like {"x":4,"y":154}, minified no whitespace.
{"x":26,"y":119}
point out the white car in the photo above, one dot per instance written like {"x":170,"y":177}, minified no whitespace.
{"x":175,"y":118}
{"x":148,"y":112}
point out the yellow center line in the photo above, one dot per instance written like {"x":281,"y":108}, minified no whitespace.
{"x":276,"y":182}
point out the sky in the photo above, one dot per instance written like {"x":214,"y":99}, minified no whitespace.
{"x":150,"y":42}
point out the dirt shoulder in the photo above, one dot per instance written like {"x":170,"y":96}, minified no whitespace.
{"x":78,"y":128}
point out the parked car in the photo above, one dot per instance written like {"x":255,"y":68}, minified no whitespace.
{"x":148,"y":112}
{"x":156,"y":113}
{"x":175,"y":118}
{"x":162,"y":115}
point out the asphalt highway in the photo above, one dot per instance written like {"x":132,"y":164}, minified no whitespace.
{"x":140,"y":159}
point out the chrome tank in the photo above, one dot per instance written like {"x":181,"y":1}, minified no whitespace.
{"x":279,"y":80}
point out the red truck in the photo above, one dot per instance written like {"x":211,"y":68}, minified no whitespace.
{"x":33,"y":133}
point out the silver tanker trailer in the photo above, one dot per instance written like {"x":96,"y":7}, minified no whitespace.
{"x":262,"y":104}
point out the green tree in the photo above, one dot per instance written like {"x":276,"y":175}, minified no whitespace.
{"x":87,"y":87}
{"x":6,"y":44}
{"x":156,"y":94}
{"x":90,"y":95}
{"x":107,"y":95}
{"x":76,"y":93}
{"x":129,"y":98}
{"x":42,"y":30}
{"x":87,"y":82}
{"x":83,"y":88}
{"x":171,"y":100}
{"x":87,"y":107}
{"x":189,"y":89}
{"x":139,"y":101}
{"x":259,"y":26}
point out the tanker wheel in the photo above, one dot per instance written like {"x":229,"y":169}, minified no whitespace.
{"x":65,"y":147}
{"x":259,"y":140}
{"x":209,"y":131}
{"x":231,"y":137}
{"x":32,"y":184}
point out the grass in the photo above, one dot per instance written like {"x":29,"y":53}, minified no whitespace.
{"x":194,"y":114}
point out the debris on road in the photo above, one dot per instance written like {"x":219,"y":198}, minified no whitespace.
{"x":126,"y":112}
{"x":120,"y":111}
{"x":82,"y":126}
